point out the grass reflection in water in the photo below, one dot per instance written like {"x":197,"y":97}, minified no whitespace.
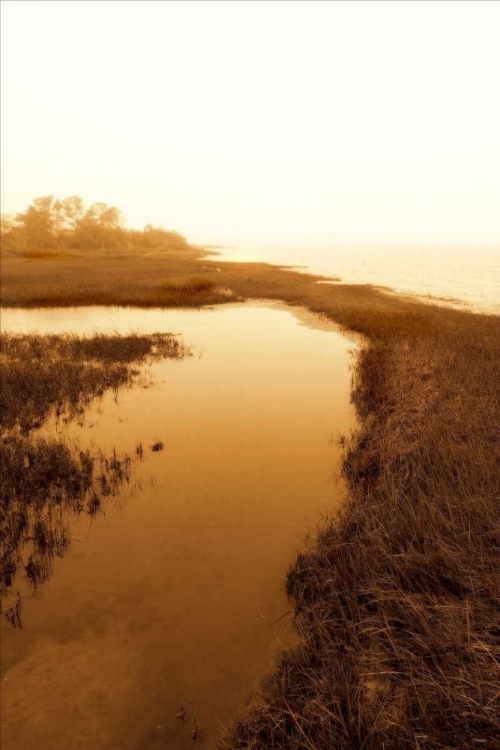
{"x":45,"y":479}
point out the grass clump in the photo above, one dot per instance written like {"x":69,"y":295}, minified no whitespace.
{"x":46,"y":255}
{"x":40,"y":374}
{"x":192,"y":291}
{"x":43,"y":481}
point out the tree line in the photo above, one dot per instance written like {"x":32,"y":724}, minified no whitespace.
{"x":53,"y":224}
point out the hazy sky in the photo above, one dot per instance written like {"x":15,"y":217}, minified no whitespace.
{"x":316,"y":122}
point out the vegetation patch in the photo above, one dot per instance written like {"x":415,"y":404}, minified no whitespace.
{"x":46,"y":255}
{"x":44,"y":481}
{"x":62,"y":374}
{"x":193,"y":291}
{"x":52,"y":226}
{"x":397,"y":604}
{"x":189,"y":286}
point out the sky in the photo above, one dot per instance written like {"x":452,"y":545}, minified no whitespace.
{"x":356,"y":123}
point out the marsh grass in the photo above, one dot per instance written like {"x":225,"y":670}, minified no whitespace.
{"x":62,"y":374}
{"x":191,"y":291}
{"x":189,"y":286}
{"x":397,"y":604}
{"x":164,"y":279}
{"x":44,"y":481}
{"x":47,"y":255}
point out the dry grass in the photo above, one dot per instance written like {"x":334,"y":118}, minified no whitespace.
{"x":147,"y":280}
{"x":47,"y":255}
{"x":398,"y":602}
{"x":194,"y":285}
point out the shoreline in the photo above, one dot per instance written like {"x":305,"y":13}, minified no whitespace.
{"x":397,"y":606}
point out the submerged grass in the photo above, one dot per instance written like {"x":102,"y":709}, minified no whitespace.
{"x":45,"y":480}
{"x":40,"y":374}
{"x":397,"y":604}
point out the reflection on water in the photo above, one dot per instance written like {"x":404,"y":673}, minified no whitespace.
{"x":44,"y":484}
{"x":467,"y":278}
{"x":175,"y":600}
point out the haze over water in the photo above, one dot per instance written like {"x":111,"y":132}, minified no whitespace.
{"x":297,"y":130}
{"x":459,"y":277}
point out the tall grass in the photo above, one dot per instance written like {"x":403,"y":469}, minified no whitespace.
{"x":166,"y":280}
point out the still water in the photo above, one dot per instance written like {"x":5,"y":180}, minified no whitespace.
{"x":174,"y":597}
{"x":463,"y":278}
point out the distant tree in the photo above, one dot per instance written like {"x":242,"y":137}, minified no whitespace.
{"x":12,"y":238}
{"x":159,"y":238}
{"x":57,"y":218}
{"x":72,"y":211}
{"x":50,"y":223}
{"x":37,"y":223}
{"x":7,"y":221}
{"x":101,"y":226}
{"x":107,"y":217}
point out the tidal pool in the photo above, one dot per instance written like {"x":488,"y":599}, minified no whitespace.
{"x":174,"y":596}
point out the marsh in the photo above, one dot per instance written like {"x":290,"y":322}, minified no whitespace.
{"x":172,"y":595}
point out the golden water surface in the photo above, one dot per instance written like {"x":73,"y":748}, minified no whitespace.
{"x":173,"y":596}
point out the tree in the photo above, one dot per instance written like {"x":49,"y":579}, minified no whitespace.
{"x":72,"y":211}
{"x":12,"y":237}
{"x":160,"y":238}
{"x":37,"y":223}
{"x":107,"y":217}
{"x":50,"y":223}
{"x":100,"y":227}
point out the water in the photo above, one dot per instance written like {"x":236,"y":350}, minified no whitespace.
{"x":463,"y":278}
{"x":174,"y":596}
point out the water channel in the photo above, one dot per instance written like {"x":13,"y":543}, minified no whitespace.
{"x":174,"y":596}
